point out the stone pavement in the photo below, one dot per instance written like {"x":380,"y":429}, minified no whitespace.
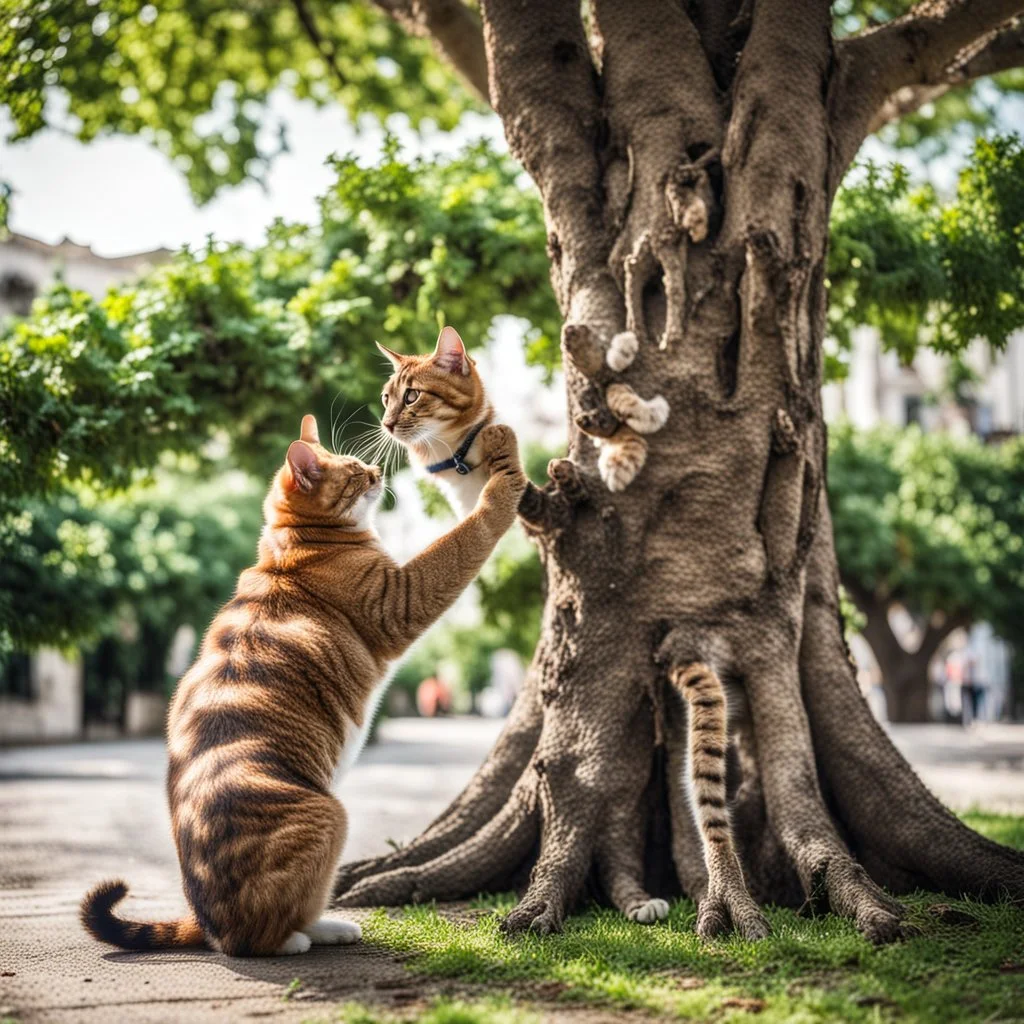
{"x":72,"y":815}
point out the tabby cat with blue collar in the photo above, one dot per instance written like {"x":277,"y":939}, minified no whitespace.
{"x":437,"y":406}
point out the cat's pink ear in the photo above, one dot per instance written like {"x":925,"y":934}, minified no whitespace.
{"x":450,"y":353}
{"x":303,"y":467}
{"x":309,"y":430}
{"x":396,"y":357}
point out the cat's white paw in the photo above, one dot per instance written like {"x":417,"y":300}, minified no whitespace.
{"x":649,"y":912}
{"x":295,"y":943}
{"x":650,"y":416}
{"x":328,"y":932}
{"x":620,"y":460}
{"x":622,"y":351}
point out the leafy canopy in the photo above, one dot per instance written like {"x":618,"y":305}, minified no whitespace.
{"x":922,"y":270}
{"x":932,"y":521}
{"x":194,"y":77}
{"x":242,"y":342}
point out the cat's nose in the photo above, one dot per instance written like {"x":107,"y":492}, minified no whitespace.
{"x":373,"y":475}
{"x":389,"y":427}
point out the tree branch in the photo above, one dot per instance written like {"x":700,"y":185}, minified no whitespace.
{"x":323,"y":46}
{"x":999,"y":51}
{"x":455,"y":30}
{"x":938,"y":43}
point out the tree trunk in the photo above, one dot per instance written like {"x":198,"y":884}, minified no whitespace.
{"x":687,"y":191}
{"x":906,"y":692}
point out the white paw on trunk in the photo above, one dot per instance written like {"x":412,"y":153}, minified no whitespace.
{"x":622,"y":351}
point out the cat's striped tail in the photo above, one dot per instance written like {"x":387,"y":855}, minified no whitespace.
{"x":726,"y":903}
{"x":97,"y":917}
{"x":707,"y":734}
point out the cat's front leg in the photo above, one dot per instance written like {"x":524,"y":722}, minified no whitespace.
{"x":415,"y":595}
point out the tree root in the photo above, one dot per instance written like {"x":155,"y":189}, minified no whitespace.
{"x":481,"y":858}
{"x":924,"y":844}
{"x":483,"y":797}
{"x":793,"y":799}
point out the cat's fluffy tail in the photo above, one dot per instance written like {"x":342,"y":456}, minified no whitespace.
{"x":96,"y":915}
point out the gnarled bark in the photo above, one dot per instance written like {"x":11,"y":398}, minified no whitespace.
{"x":687,"y":195}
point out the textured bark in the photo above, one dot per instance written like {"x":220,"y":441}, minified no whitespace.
{"x":687,"y":156}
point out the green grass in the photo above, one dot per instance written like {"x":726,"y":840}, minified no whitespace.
{"x":443,"y":1011}
{"x":810,"y":969}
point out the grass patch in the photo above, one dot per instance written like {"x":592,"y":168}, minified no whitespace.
{"x":442,"y":1011}
{"x":963,"y":965}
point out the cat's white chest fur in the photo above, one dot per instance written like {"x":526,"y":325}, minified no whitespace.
{"x":355,"y":735}
{"x":461,"y":490}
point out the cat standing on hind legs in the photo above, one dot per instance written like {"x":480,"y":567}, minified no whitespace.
{"x":281,"y":686}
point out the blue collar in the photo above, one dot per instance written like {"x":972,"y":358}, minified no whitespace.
{"x":458,"y":460}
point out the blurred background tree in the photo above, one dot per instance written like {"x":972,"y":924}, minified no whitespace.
{"x":934,"y":524}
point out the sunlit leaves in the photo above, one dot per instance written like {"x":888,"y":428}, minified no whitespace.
{"x":932,"y":521}
{"x":926,"y":271}
{"x":241,"y":342}
{"x":193,"y":76}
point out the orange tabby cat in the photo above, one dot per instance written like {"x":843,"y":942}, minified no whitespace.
{"x":437,"y":407}
{"x":281,"y":690}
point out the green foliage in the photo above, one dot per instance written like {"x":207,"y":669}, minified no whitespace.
{"x":932,"y":521}
{"x":81,"y":565}
{"x":511,"y":589}
{"x":442,"y":1010}
{"x":5,"y":208}
{"x":809,"y":969}
{"x":242,"y":342}
{"x":194,"y":77}
{"x":919,"y":269}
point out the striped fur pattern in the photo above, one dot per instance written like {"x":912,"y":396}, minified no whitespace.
{"x":727,"y":899}
{"x":620,"y":457}
{"x":644,"y":415}
{"x":281,"y":686}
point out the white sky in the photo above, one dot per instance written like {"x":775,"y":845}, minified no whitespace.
{"x":121,"y":195}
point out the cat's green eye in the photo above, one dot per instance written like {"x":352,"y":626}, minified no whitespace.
{"x":411,"y":395}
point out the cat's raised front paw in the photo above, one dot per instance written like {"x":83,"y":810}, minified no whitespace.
{"x":501,"y":451}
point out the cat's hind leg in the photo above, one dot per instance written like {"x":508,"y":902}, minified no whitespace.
{"x":295,"y":943}
{"x":330,"y":932}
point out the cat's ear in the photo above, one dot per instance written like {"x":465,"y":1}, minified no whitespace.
{"x":396,"y":357}
{"x":450,"y":353}
{"x":303,"y":467}
{"x":309,"y":431}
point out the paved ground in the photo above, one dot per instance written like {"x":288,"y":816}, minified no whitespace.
{"x":72,"y":815}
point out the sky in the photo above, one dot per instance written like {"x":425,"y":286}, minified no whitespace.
{"x":120,"y":195}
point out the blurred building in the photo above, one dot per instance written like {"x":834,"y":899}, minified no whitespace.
{"x":879,"y":389}
{"x":28,"y":265}
{"x":989,"y":402}
{"x":42,"y":696}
